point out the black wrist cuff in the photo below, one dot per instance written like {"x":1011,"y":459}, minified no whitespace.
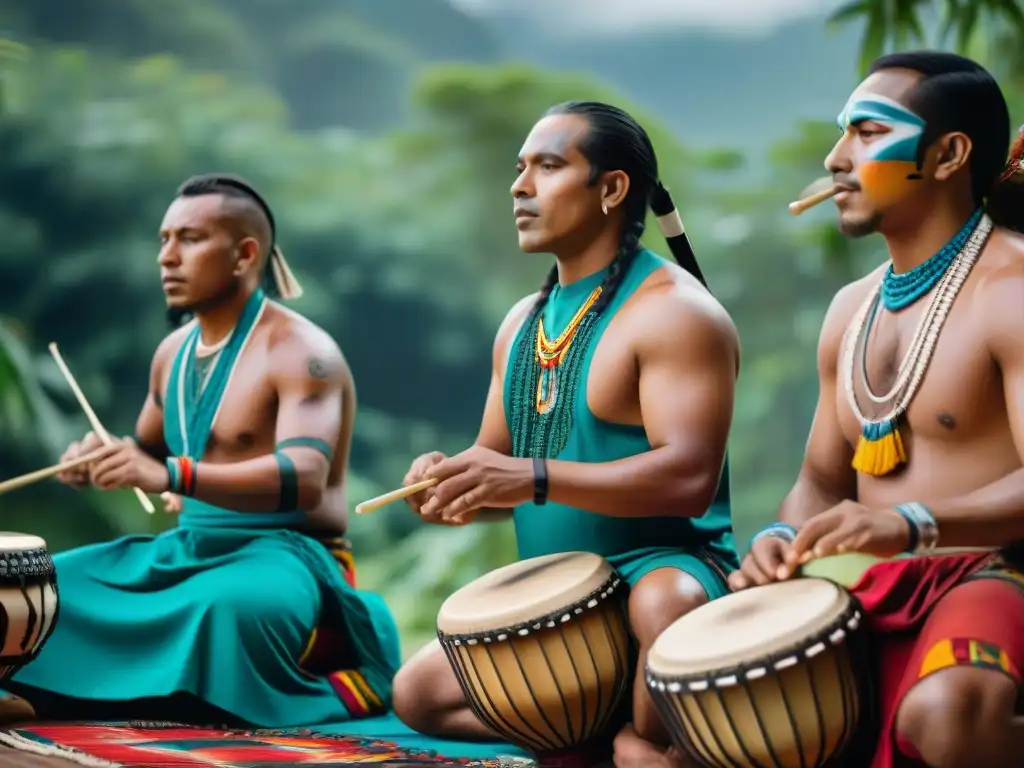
{"x":540,"y":481}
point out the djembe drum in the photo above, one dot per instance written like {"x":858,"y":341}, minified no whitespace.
{"x":771,"y":677}
{"x":29,"y":601}
{"x":541,"y":649}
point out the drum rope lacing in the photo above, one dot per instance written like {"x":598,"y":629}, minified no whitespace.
{"x":30,"y":562}
{"x":548,"y":621}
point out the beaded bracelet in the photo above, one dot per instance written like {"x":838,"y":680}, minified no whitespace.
{"x":783,"y":531}
{"x":181,"y":471}
{"x":924,"y":530}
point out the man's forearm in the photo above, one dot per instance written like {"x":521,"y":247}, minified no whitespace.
{"x":992,"y":516}
{"x":658,"y":483}
{"x":271,"y":483}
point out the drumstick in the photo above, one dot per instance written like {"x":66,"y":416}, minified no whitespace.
{"x":90,"y":414}
{"x":41,"y":474}
{"x":815,"y":198}
{"x":383,"y":500}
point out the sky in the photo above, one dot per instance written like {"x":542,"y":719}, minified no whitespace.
{"x":742,"y":18}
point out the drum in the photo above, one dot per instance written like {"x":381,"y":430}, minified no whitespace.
{"x":771,"y":677}
{"x":541,"y":649}
{"x":28,"y":600}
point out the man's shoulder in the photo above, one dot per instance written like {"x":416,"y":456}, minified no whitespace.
{"x":294,"y":341}
{"x":671,"y":300}
{"x":171,"y":343}
{"x":999,"y":286}
{"x":848,"y":299}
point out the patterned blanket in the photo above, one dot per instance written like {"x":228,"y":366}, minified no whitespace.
{"x":171,"y":745}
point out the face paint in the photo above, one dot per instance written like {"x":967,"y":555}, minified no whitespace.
{"x":889,"y":164}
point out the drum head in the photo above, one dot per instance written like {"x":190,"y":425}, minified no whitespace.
{"x":523,"y":592}
{"x":746,"y":626}
{"x":19,"y":542}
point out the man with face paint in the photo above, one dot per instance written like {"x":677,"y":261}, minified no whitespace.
{"x":246,"y":611}
{"x":609,"y":409}
{"x":918,"y":436}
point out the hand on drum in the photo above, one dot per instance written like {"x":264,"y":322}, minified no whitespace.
{"x":477,"y":478}
{"x":850,"y":527}
{"x":765,"y":563}
{"x":124,"y":465}
{"x":78,"y":477}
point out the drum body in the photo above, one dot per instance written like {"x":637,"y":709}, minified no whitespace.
{"x":541,"y":649}
{"x":29,"y":601}
{"x":771,"y":677}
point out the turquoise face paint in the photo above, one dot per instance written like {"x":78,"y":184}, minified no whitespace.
{"x":901,"y":143}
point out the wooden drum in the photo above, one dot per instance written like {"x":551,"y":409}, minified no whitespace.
{"x":28,"y":600}
{"x":541,"y":649}
{"x":771,"y":677}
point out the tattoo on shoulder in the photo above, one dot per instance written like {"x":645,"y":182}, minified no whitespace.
{"x":318,"y":368}
{"x":158,"y":399}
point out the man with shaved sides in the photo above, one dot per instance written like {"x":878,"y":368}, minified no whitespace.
{"x":246,"y":611}
{"x":606,"y":422}
{"x":918,"y":437}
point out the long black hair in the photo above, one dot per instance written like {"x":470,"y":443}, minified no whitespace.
{"x":615,"y":141}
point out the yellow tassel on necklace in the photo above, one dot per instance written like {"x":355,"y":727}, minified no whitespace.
{"x":880,"y":449}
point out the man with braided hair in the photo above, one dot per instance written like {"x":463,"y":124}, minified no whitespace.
{"x":246,"y":611}
{"x":609,"y":408}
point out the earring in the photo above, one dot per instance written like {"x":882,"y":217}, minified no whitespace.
{"x":604,"y":208}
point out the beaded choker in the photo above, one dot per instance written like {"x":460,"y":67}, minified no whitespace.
{"x":881,"y":449}
{"x":900,"y":291}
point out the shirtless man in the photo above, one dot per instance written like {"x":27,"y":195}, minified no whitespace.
{"x":922,"y":150}
{"x":635,"y":470}
{"x":249,"y":420}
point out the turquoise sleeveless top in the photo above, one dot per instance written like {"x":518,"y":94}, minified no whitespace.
{"x":551,"y":528}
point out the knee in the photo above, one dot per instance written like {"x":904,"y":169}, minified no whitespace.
{"x":659,"y":598}
{"x":287,"y":599}
{"x":948,"y":717}
{"x":414,"y":687}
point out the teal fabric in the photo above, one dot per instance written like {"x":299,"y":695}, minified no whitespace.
{"x":703,"y":546}
{"x":220,"y":607}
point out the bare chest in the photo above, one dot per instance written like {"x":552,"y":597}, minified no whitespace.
{"x":956,"y":398}
{"x":245,"y":423}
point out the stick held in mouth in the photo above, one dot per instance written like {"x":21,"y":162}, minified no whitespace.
{"x":817,"y":193}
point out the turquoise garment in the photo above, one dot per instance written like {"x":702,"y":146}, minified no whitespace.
{"x":703,"y":546}
{"x":221,"y":607}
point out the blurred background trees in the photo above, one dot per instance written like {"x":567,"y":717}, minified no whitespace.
{"x":384,"y":133}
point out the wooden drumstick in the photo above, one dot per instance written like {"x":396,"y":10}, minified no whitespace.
{"x":798,"y":207}
{"x":94,"y":420}
{"x":383,"y":500}
{"x":41,"y":474}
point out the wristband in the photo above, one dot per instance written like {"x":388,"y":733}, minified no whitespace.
{"x":540,"y":482}
{"x":924,"y":530}
{"x":181,"y":475}
{"x":783,"y":531}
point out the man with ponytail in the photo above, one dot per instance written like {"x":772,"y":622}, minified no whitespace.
{"x":245,"y":612}
{"x":918,"y":437}
{"x":609,"y":408}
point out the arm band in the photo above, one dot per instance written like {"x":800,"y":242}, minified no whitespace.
{"x":289,"y":483}
{"x":307,"y":442}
